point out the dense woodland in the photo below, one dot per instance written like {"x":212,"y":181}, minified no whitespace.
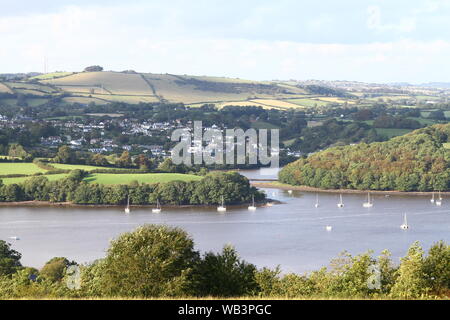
{"x":134,"y":267}
{"x":418,"y":161}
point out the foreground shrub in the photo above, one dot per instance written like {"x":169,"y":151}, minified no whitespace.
{"x":224,"y":274}
{"x":152,"y":261}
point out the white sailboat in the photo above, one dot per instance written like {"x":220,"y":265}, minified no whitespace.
{"x":329,"y":228}
{"x":127,"y":209}
{"x":158,"y":207}
{"x":222,"y":207}
{"x":439,"y":201}
{"x":404,"y":226}
{"x":341,"y":202}
{"x":252,"y":207}
{"x":432,"y":200}
{"x":317,"y":201}
{"x":290,"y":191}
{"x":369,"y":203}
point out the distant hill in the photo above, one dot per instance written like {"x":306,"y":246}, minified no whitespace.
{"x":102,"y":87}
{"x":134,"y":87}
{"x":418,"y":161}
{"x":445,"y":85}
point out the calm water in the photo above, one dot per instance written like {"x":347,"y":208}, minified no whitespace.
{"x":292,"y":234}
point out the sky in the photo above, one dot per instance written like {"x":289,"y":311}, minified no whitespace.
{"x":361,"y":40}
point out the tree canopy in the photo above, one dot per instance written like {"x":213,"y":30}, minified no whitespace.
{"x":418,"y":161}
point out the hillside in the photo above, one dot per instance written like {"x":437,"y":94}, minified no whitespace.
{"x":418,"y":161}
{"x":102,"y":87}
{"x":132,"y":87}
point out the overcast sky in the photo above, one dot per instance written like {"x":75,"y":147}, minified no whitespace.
{"x":378,"y":40}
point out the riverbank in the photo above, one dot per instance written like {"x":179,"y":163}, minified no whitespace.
{"x":282,"y":186}
{"x":42,"y":204}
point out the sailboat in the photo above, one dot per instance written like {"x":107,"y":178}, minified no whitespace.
{"x":369,"y":203}
{"x":317,"y":201}
{"x":252,"y":207}
{"x":404,"y":226}
{"x":222,"y":207}
{"x":127,"y":209}
{"x":329,"y":228}
{"x":290,"y":191}
{"x":158,"y":207}
{"x":432,"y":198}
{"x":341,"y":202}
{"x":439,"y":201}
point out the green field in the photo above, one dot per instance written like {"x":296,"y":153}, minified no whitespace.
{"x":19,"y":168}
{"x":51,"y":177}
{"x":389,"y":133}
{"x":106,"y":178}
{"x":263,"y":125}
{"x":308,"y":102}
{"x":51,"y":75}
{"x":75,"y":167}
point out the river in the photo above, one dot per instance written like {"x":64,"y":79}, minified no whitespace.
{"x":292,"y":234}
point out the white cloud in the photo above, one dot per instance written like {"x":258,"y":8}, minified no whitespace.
{"x":128,"y":37}
{"x":374,"y":22}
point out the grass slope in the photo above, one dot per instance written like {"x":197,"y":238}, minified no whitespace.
{"x":106,"y":178}
{"x":19,"y":168}
{"x":51,"y":177}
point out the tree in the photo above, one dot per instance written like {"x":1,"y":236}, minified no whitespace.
{"x":17,"y":151}
{"x":77,"y":175}
{"x":437,"y":267}
{"x":224,"y":275}
{"x":437,"y":115}
{"x":11,"y":193}
{"x":35,"y":188}
{"x":167,"y":166}
{"x":93,"y":69}
{"x":143,"y":162}
{"x":55,"y":269}
{"x":99,"y":160}
{"x":124,"y":161}
{"x":65,"y":155}
{"x":9,"y":259}
{"x":411,"y":281}
{"x":152,"y":261}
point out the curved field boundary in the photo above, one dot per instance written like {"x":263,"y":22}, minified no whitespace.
{"x":152,"y":87}
{"x":11,"y":89}
{"x":98,"y":86}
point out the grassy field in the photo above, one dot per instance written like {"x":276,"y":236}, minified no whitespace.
{"x":115,"y":82}
{"x":106,"y":178}
{"x":276,"y":103}
{"x":19,"y":168}
{"x":75,"y":166}
{"x":51,"y":75}
{"x":51,"y":177}
{"x":389,"y":133}
{"x":170,"y":88}
{"x":308,"y":102}
{"x":4,"y":89}
{"x":263,"y":125}
{"x":83,"y":100}
{"x":126,"y":98}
